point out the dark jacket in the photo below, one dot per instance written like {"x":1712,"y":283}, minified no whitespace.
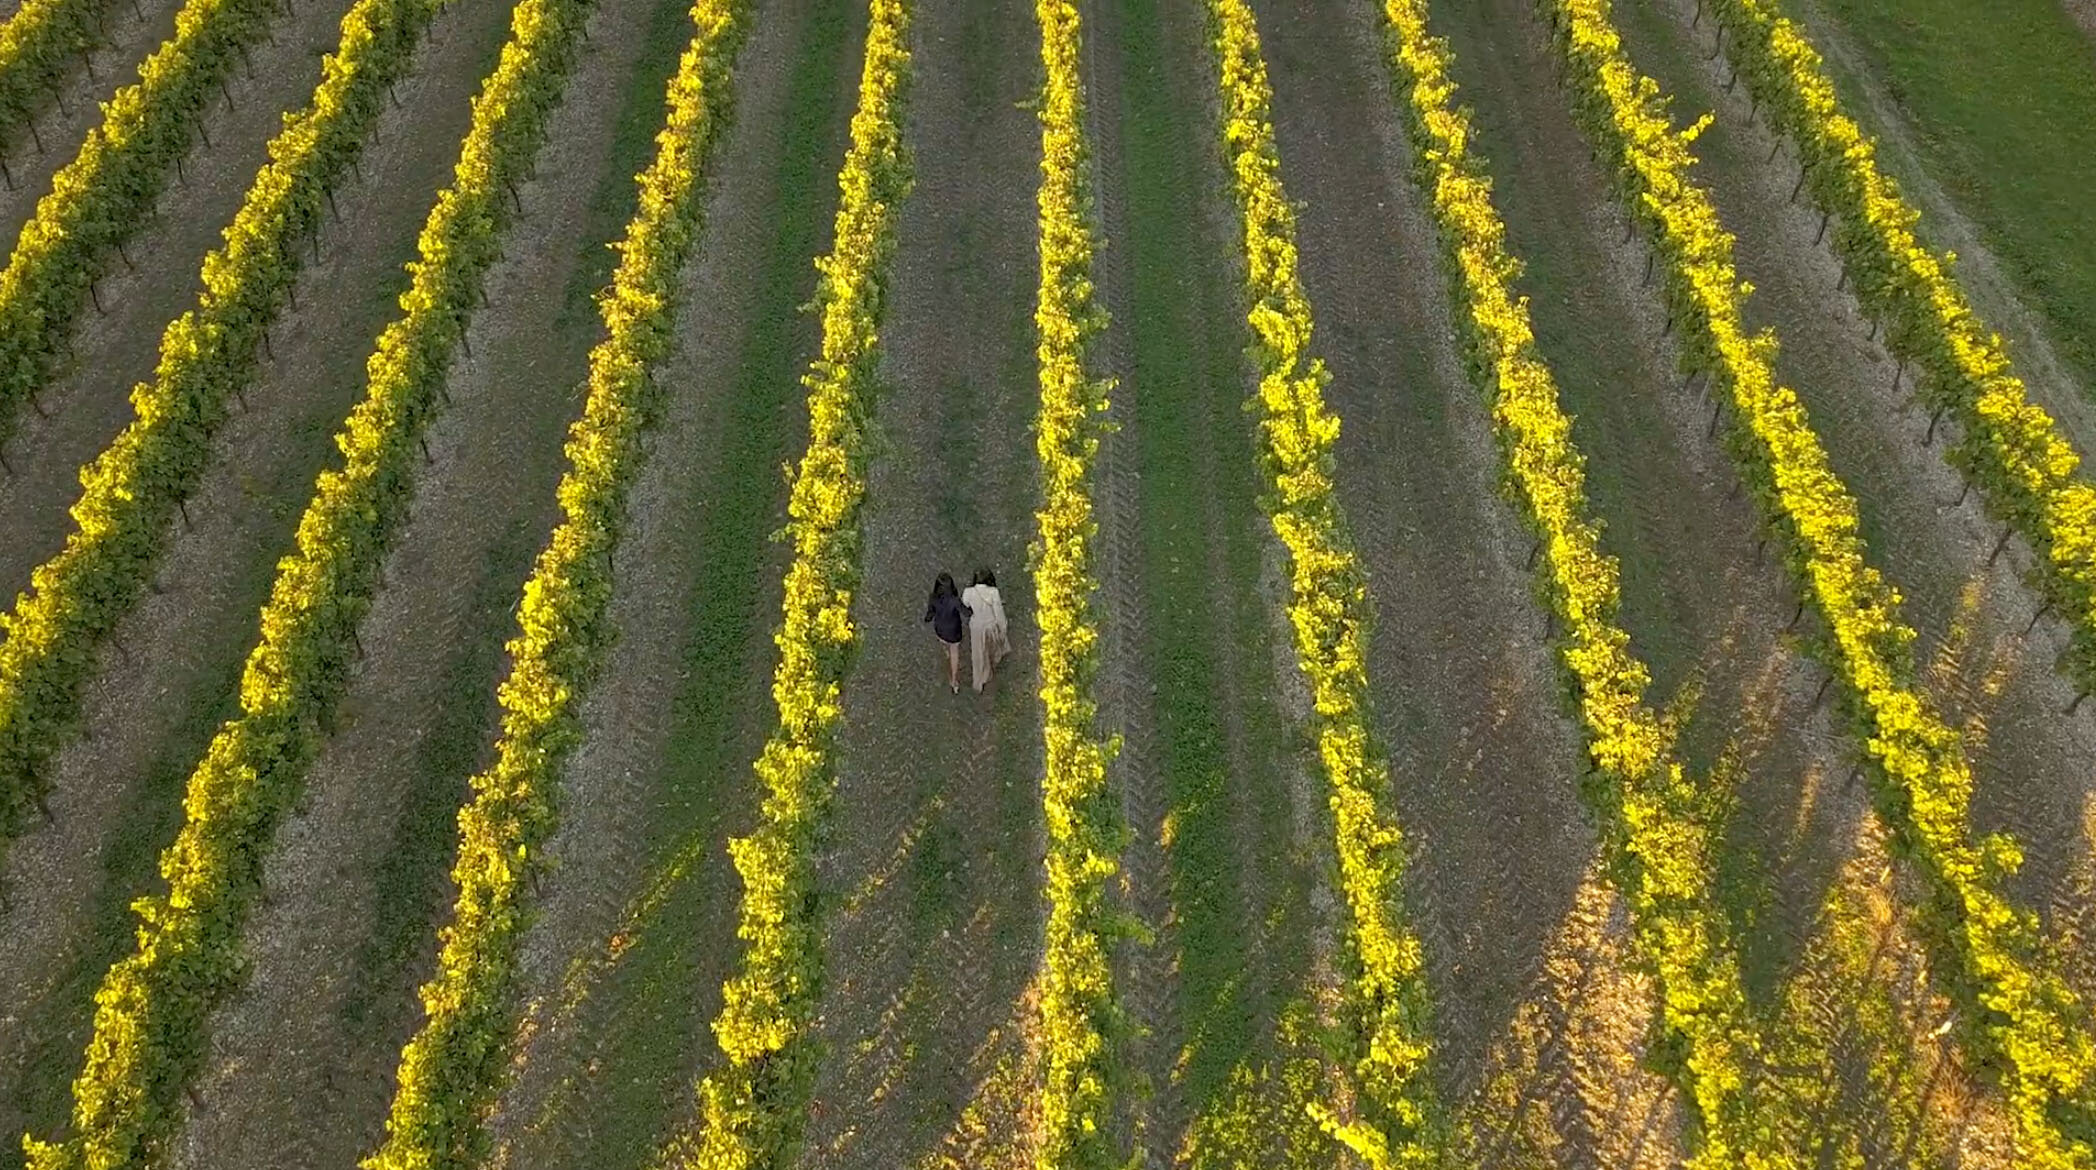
{"x":948,"y":617}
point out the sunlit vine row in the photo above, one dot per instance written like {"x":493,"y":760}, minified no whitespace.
{"x":451,"y":1069}
{"x":1080,"y":1014}
{"x":131,"y":491}
{"x":1399,"y":1120}
{"x":2025,"y":1020}
{"x":1649,"y":812}
{"x":153,"y":1007}
{"x":99,"y":199}
{"x":2010,"y":449}
{"x":753,"y":1110}
{"x":39,"y":45}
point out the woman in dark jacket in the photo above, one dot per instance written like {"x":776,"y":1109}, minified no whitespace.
{"x":949,"y":619}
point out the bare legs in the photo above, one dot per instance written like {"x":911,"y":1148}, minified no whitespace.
{"x":953,"y":665}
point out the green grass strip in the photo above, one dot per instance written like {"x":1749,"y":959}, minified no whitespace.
{"x":450,"y":1071}
{"x":100,"y":198}
{"x":2020,"y":1017}
{"x":754,"y":1109}
{"x":2011,"y":450}
{"x":1660,"y":852}
{"x":153,"y":1007}
{"x":130,"y":492}
{"x":39,"y":45}
{"x":1400,"y":1121}
{"x":1080,"y":1015}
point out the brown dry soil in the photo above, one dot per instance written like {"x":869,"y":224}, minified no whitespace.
{"x":622,"y":973}
{"x":931,"y":876}
{"x":302,"y":1058}
{"x":75,"y":104}
{"x":117,"y":796}
{"x":88,"y":403}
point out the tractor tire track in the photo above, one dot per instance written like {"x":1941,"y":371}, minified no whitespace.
{"x":932,"y":876}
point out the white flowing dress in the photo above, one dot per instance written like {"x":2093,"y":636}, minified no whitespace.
{"x":989,"y":637}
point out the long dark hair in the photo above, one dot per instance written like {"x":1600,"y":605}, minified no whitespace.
{"x":985,"y":577}
{"x":944,"y":587}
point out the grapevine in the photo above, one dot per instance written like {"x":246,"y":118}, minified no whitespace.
{"x":451,"y":1069}
{"x":153,"y":1006}
{"x":754,"y":1109}
{"x":1079,"y":1011}
{"x":2026,"y":1021}
{"x":1401,"y":1122}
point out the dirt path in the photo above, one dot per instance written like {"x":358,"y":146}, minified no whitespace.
{"x":303,"y":1056}
{"x":2031,"y":766}
{"x":933,"y":872}
{"x":1198,"y":676}
{"x":62,"y":125}
{"x":1535,"y":998}
{"x":117,"y":796}
{"x":90,"y":403}
{"x":623,"y":972}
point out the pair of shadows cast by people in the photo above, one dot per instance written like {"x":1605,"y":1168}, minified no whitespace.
{"x":981,"y":609}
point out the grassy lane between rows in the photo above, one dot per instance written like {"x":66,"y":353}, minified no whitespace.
{"x":2028,"y":475}
{"x":1398,"y":1119}
{"x":1238,"y":948}
{"x":1081,"y":1019}
{"x":2020,"y":1015}
{"x":153,"y":1009}
{"x":133,"y":489}
{"x":451,"y":1069}
{"x":2004,"y":97}
{"x":1649,"y":810}
{"x":754,"y":1108}
{"x":109,"y":189}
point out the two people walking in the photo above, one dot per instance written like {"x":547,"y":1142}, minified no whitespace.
{"x":981,"y":611}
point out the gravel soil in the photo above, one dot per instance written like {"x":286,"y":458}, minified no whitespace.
{"x":303,"y":1056}
{"x":89,"y":401}
{"x":117,"y":795}
{"x":623,"y":970}
{"x":932,"y":873}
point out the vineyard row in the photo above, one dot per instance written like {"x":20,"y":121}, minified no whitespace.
{"x":1080,"y":1012}
{"x":753,"y":1110}
{"x":2025,"y":1019}
{"x":1399,"y":1122}
{"x":133,"y":489}
{"x":153,"y":1007}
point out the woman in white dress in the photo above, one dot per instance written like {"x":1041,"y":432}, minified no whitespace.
{"x":989,"y":637}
